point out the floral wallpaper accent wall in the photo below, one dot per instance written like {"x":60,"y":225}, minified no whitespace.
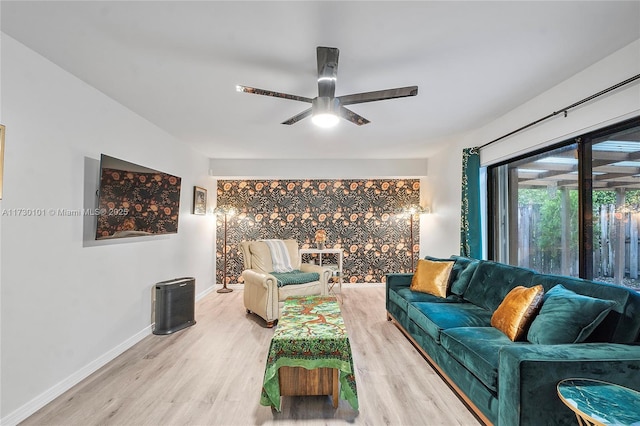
{"x":363,"y":217}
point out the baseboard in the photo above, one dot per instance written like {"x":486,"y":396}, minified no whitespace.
{"x":362,"y":285}
{"x":240,"y":286}
{"x":61,"y":387}
{"x":205,"y":292}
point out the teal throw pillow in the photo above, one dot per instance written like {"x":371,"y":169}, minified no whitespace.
{"x":460,"y":284}
{"x":567,"y":317}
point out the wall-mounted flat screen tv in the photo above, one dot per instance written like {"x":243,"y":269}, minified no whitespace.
{"x":135,"y":201}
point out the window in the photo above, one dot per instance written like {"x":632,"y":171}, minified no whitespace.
{"x":571,"y":209}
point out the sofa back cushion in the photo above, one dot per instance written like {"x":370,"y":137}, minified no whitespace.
{"x":492,"y":281}
{"x":622,"y":323}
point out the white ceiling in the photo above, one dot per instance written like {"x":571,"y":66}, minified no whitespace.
{"x":177,"y":64}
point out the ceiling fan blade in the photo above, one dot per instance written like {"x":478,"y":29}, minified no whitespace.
{"x":351,"y":116}
{"x":293,"y":120}
{"x":327,"y":70}
{"x":255,"y":91}
{"x":379,"y":95}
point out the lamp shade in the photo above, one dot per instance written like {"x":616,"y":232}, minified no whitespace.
{"x":225,"y":210}
{"x":414,"y":209}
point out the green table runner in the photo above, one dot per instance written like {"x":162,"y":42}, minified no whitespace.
{"x":310,"y":334}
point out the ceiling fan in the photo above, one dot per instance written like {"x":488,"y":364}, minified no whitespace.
{"x":326,"y":109}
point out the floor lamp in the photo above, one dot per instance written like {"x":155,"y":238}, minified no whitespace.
{"x":412,"y":210}
{"x":224,"y":211}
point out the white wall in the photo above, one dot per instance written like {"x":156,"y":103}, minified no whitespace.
{"x":440,"y":232}
{"x":608,"y":109}
{"x":318,"y":168}
{"x":68,"y":307}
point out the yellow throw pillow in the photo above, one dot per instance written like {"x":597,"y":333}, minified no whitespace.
{"x":432,"y":277}
{"x":517,"y":311}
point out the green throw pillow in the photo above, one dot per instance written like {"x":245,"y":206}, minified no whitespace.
{"x":463,"y":277}
{"x":567,"y":317}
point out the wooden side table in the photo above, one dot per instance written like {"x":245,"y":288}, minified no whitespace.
{"x":320,"y":252}
{"x":598,"y":403}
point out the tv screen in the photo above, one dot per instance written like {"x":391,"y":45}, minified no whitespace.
{"x":135,"y":201}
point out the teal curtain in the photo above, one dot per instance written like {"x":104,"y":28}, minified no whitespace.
{"x":470,"y":223}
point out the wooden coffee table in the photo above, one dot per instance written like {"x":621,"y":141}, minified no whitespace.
{"x":310,"y":353}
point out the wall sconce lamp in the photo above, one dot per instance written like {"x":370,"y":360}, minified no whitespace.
{"x":226,"y":211}
{"x":412,"y":210}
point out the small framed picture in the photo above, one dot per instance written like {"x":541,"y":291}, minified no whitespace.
{"x":199,"y":200}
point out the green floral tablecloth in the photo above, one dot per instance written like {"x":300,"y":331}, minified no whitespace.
{"x":310,"y":334}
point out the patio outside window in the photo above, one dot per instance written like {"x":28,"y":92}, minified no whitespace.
{"x":572,"y":209}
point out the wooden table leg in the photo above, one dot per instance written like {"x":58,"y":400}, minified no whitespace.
{"x":336,"y":387}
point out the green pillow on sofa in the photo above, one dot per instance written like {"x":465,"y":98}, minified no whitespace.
{"x":567,"y":317}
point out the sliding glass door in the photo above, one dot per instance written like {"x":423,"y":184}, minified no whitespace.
{"x":616,"y":206}
{"x":571,"y":209}
{"x":540,"y":212}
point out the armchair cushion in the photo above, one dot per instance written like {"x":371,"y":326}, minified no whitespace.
{"x":295,"y":277}
{"x":257,"y":255}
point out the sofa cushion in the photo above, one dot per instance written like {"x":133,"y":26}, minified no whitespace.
{"x":492,"y":281}
{"x":435,"y":317}
{"x":404,"y":296}
{"x":477,"y":349}
{"x":432,"y":277}
{"x":517,"y":311}
{"x":567,"y":317}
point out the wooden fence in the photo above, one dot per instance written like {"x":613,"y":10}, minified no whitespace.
{"x":615,"y":231}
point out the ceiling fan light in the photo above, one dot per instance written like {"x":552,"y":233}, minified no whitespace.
{"x":325,"y":111}
{"x":326,"y":119}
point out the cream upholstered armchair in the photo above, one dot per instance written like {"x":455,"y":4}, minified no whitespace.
{"x":262,"y":295}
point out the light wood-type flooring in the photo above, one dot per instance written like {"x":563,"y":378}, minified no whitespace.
{"x":211,"y":374}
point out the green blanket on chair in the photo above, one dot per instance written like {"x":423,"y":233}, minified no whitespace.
{"x":295,"y":277}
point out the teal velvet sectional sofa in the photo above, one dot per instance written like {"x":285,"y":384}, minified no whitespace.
{"x":514,"y":383}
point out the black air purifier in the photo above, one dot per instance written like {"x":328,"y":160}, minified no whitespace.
{"x":174,"y":305}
